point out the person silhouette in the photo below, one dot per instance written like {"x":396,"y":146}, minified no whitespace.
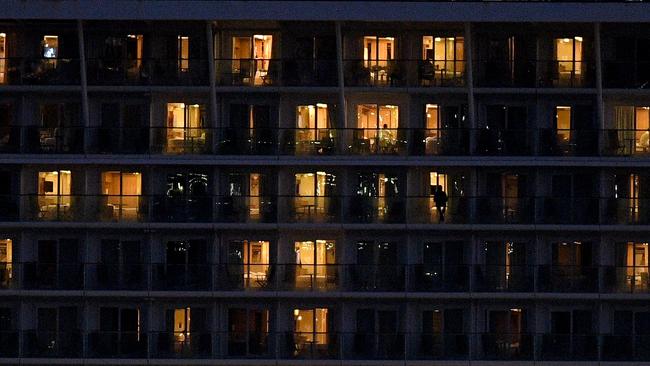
{"x":440,"y":199}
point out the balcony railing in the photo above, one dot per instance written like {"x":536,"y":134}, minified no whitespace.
{"x":41,"y":71}
{"x":52,"y":344}
{"x":274,"y":141}
{"x":350,"y":345}
{"x":290,"y":277}
{"x":626,"y":74}
{"x":569,"y":347}
{"x":626,"y":279}
{"x":404,"y":72}
{"x":438,"y":278}
{"x":567,"y":278}
{"x":502,"y":278}
{"x":374,"y":209}
{"x":335,"y":209}
{"x":59,"y":140}
{"x":147,"y":71}
{"x":506,"y":347}
{"x":535,"y":73}
{"x":183,"y":344}
{"x":116,"y":344}
{"x":52,"y":276}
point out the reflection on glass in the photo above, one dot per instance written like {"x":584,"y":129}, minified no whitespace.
{"x":313,"y":261}
{"x":563,"y":124}
{"x":122,"y":191}
{"x":251,"y":57}
{"x":311,"y":191}
{"x":378,"y":126}
{"x":181,"y":328}
{"x":3,"y":58}
{"x":310,"y":326}
{"x":378,"y":52}
{"x":50,"y":46}
{"x":6,"y":262}
{"x":253,"y":257}
{"x":313,"y":128}
{"x":54,"y":193}
{"x":568,"y":53}
{"x":183,"y":53}
{"x":185,"y":127}
{"x":447,"y":54}
{"x":634,"y":257}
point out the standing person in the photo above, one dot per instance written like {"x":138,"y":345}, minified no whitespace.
{"x":440,"y":199}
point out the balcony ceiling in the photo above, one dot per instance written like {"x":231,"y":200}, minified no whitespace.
{"x":329,"y":10}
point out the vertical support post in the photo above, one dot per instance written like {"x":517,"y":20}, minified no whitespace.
{"x":213,"y":89}
{"x":469,"y":69}
{"x":85,"y":114}
{"x":341,"y":82}
{"x":599,"y":87}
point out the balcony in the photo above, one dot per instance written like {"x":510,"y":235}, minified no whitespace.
{"x":147,"y":71}
{"x":247,"y":209}
{"x":10,"y":139}
{"x":249,"y":344}
{"x":117,"y":276}
{"x":372,"y":210}
{"x":404,"y":72}
{"x":626,"y":211}
{"x":183,"y":344}
{"x":377,"y":278}
{"x":182,"y":277}
{"x":441,"y":346}
{"x":9,"y":207}
{"x":248,"y":277}
{"x":623,"y":279}
{"x":52,"y":276}
{"x":495,"y":142}
{"x":105,"y":140}
{"x":423,"y":210}
{"x":506,"y":347}
{"x":9,"y":340}
{"x":310,"y":142}
{"x":52,"y":344}
{"x":255,"y":141}
{"x":310,"y":277}
{"x":568,"y":347}
{"x":439,"y":142}
{"x":182,"y":208}
{"x":54,"y":207}
{"x":565,"y":278}
{"x":7,"y":276}
{"x":562,"y":142}
{"x":311,"y":345}
{"x":182,"y":141}
{"x":502,"y":278}
{"x":115,"y":344}
{"x":506,"y":73}
{"x":626,"y":74}
{"x":60,"y":140}
{"x":42,"y":71}
{"x":374,"y":346}
{"x":505,"y":210}
{"x":248,"y":72}
{"x":438,"y":278}
{"x":625,"y":348}
{"x":124,"y":208}
{"x":311,"y":209}
{"x":567,"y":210}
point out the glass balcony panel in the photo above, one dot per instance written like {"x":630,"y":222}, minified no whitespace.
{"x":183,"y":344}
{"x":441,"y":346}
{"x":439,"y":278}
{"x":368,"y":277}
{"x":186,"y":277}
{"x":374,"y":346}
{"x":105,"y":344}
{"x":562,"y":278}
{"x":52,"y":276}
{"x":506,"y":347}
{"x":52,"y":344}
{"x":511,"y":278}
